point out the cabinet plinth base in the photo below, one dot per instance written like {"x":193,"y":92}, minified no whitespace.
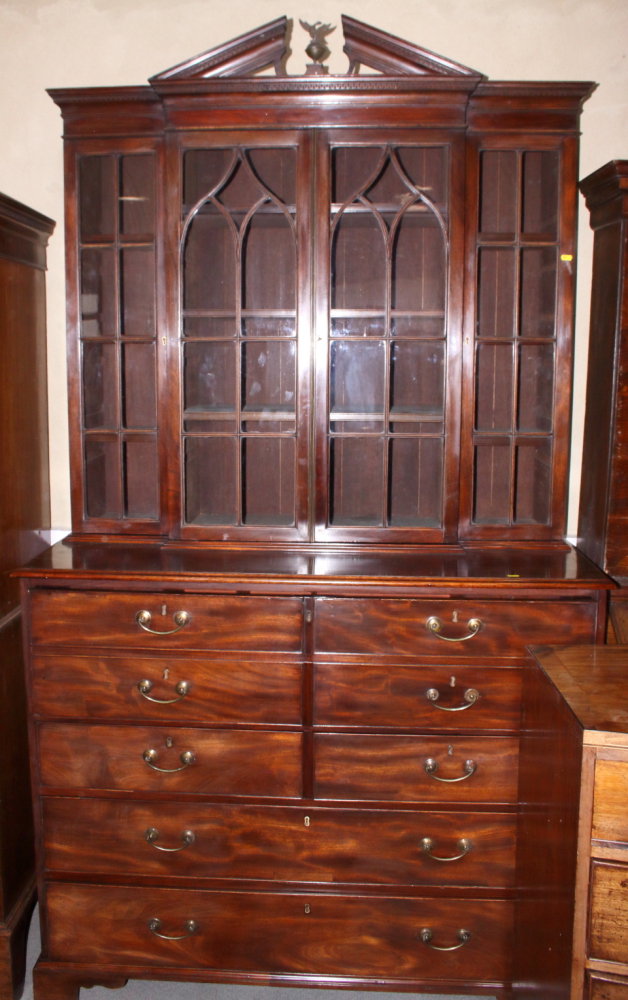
{"x":13,"y":940}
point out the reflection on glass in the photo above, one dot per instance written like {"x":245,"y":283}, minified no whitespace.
{"x":418,"y":265}
{"x":268,"y":369}
{"x":357,"y":377}
{"x":358,"y":264}
{"x":209,"y":376}
{"x":137,"y":196}
{"x":417,"y":379}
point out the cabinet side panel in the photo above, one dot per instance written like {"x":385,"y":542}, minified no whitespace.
{"x":598,"y":431}
{"x":549,"y":796}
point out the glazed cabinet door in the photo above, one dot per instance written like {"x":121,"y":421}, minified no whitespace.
{"x":114,"y":315}
{"x":388,"y":305}
{"x":241,"y":237}
{"x":521,"y":195}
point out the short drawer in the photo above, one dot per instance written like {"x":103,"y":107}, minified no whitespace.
{"x":229,"y":762}
{"x":77,"y":618}
{"x":375,"y":627}
{"x":608,"y":912}
{"x":347,"y":694}
{"x":610,"y":802}
{"x":383,"y":847}
{"x":303,"y":934}
{"x":188,"y":689}
{"x":605,"y":987}
{"x":416,"y":768}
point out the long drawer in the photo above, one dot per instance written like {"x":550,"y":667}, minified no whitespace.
{"x":77,"y":618}
{"x":176,"y":689}
{"x":274,"y":933}
{"x":348,"y":694}
{"x":416,"y":768}
{"x":228,"y":762}
{"x":367,"y":626}
{"x":374,"y":846}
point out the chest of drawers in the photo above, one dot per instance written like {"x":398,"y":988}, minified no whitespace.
{"x":282,"y":781}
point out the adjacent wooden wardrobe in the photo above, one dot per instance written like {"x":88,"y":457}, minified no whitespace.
{"x":24,"y":519}
{"x":320,"y":340}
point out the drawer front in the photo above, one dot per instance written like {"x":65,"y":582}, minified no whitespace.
{"x":347,"y":694}
{"x":280,"y":933}
{"x":610,"y":801}
{"x":227,"y":762}
{"x":278,"y":843}
{"x":372,"y":626}
{"x":108,"y":687}
{"x":601,"y":987}
{"x":395,"y":768}
{"x":272,"y":624}
{"x":608,"y":915}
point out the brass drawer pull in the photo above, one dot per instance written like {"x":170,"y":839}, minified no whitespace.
{"x":426,"y":935}
{"x":181,"y":688}
{"x":434,"y":626}
{"x":433,"y":694}
{"x":155,"y":924}
{"x":431,"y":766}
{"x":188,"y":837}
{"x":428,"y":845}
{"x":181,"y":618}
{"x":186,"y":759}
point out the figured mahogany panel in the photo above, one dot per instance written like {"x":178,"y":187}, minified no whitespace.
{"x":61,"y":617}
{"x":360,"y":695}
{"x":365,"y":626}
{"x":230,"y":762}
{"x":327,"y":935}
{"x":410,"y":768}
{"x":287,"y":844}
{"x":107,"y":687}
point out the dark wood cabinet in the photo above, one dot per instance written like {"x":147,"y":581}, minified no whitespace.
{"x":320,"y":334}
{"x":24,"y":517}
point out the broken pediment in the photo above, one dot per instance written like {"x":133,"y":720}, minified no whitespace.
{"x":266,"y":46}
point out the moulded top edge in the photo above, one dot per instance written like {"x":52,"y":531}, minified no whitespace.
{"x":577,"y":89}
{"x":605,"y":183}
{"x":16,"y":212}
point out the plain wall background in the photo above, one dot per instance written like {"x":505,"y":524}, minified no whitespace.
{"x":87,"y":43}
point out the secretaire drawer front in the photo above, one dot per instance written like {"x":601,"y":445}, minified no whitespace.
{"x":291,"y":933}
{"x":347,"y":694}
{"x":492,"y":628}
{"x":608,"y":913}
{"x":610,"y":802}
{"x":415,"y":768}
{"x":173,"y":689}
{"x":214,"y":761}
{"x":272,"y":624}
{"x":384,"y":847}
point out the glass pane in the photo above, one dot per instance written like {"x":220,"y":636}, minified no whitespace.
{"x":359,"y":326}
{"x":137,"y":293}
{"x":357,"y":377}
{"x":418,"y":279}
{"x":203,"y":170}
{"x":494,"y":387}
{"x":139,"y":387}
{"x":269,"y":263}
{"x":98,"y":293}
{"x":209,"y":377}
{"x":141,"y":479}
{"x":496,"y":293}
{"x":265,"y":327}
{"x":540,"y":192}
{"x":536,"y":387}
{"x":418,"y":326}
{"x":426,"y":166}
{"x":417,"y":379}
{"x":268,"y":481}
{"x":268,"y":371}
{"x":357,"y":471}
{"x":241,"y":191}
{"x":358,"y":263}
{"x":389,"y":188}
{"x":533,"y":479}
{"x":209,"y":326}
{"x":498,"y":192}
{"x":97,"y":192}
{"x":137,"y":195}
{"x":492,"y":484}
{"x":538,"y":292}
{"x":102,"y":479}
{"x":209,"y":263}
{"x":352,"y":168}
{"x":276,"y":169}
{"x":416,"y":471}
{"x":210,"y":478}
{"x":100,"y":386}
